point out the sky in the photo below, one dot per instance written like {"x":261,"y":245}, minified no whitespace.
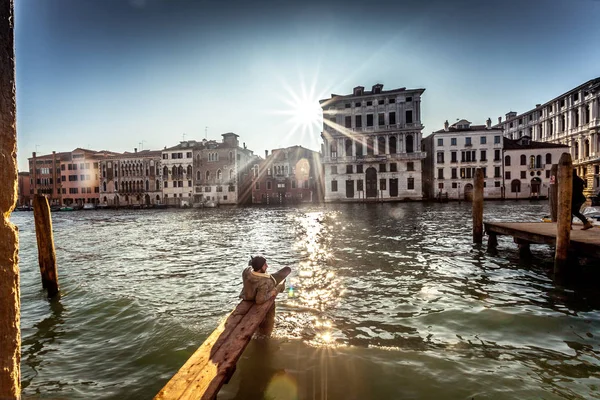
{"x":124,"y":74}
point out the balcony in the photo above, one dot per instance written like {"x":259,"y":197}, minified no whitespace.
{"x":536,"y":167}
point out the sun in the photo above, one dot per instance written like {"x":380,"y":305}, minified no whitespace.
{"x":306,"y":113}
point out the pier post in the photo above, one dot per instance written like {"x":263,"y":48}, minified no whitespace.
{"x":10,"y":304}
{"x":553,"y":195}
{"x":478,"y":206}
{"x":45,"y":242}
{"x":563,"y":221}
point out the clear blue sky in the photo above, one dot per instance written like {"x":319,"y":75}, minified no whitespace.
{"x":109,"y":74}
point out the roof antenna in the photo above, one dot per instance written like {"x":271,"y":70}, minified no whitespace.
{"x":183,"y":137}
{"x":206,"y":132}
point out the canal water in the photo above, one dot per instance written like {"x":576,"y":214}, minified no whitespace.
{"x":387,"y":301}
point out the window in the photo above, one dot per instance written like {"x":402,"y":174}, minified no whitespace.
{"x":496,"y":172}
{"x":391,"y":101}
{"x":334,"y":186}
{"x":482,"y":140}
{"x":357,"y":104}
{"x":359,"y":169}
{"x":334,"y":169}
{"x":392,"y":118}
{"x":381,"y":119}
{"x":440,"y":157}
{"x":523,"y":159}
{"x":188,"y":154}
{"x":293,"y":184}
{"x":507,"y":161}
{"x":409,"y":116}
{"x":410,"y":166}
{"x":382,"y":184}
{"x":507,"y":175}
{"x":453,"y":141}
{"x":347,"y":105}
{"x":483,"y":156}
{"x":410,"y":183}
{"x":349,"y":169}
{"x":369,"y":119}
{"x":360,"y":185}
{"x":548,"y":159}
{"x":369,"y":103}
{"x":257,"y":186}
{"x":358,"y":121}
{"x":548,"y":173}
{"x":515,"y":186}
{"x":440,"y":173}
{"x":496,"y":155}
{"x":409,"y":99}
{"x":268,"y":185}
{"x":380,"y":102}
{"x":440,"y":142}
{"x":382,"y":168}
{"x":348,"y":121}
{"x":523,"y":174}
{"x":393,"y":167}
{"x":441,"y":185}
{"x":454,"y":173}
{"x":453,"y":157}
{"x":496,"y":139}
{"x":468,"y":141}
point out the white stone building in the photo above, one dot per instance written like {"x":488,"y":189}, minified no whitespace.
{"x":372,"y":145}
{"x":177,"y":173}
{"x":454,"y":152}
{"x":572,"y":119}
{"x":527,"y":167}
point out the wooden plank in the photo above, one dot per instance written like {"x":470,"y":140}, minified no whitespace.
{"x":205,"y":371}
{"x":45,"y":242}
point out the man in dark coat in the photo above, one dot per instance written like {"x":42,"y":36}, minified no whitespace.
{"x":577,"y":201}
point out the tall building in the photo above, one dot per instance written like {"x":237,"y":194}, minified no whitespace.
{"x":372,"y":145}
{"x":131,"y":179}
{"x":527,"y":165}
{"x":177,"y":173}
{"x":221,"y":171}
{"x":572,"y":119}
{"x":24,"y":190}
{"x":286,"y":176}
{"x":45,"y":175}
{"x":454,"y":152}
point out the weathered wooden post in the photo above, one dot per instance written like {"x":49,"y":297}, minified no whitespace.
{"x":553,"y":194}
{"x":478,"y":206}
{"x":45,"y":242}
{"x":10,"y":330}
{"x":563,"y":222}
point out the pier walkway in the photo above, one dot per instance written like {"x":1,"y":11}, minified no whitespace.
{"x":585,"y":243}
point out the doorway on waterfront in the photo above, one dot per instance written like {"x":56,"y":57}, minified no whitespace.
{"x":469,"y":192}
{"x":535,"y":187}
{"x":147,"y":199}
{"x":394,"y":187}
{"x":350,"y":189}
{"x":371,"y":182}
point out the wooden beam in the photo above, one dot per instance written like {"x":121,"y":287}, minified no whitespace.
{"x":10,"y":305}
{"x":45,"y":243}
{"x":563,"y":221}
{"x":214,"y":362}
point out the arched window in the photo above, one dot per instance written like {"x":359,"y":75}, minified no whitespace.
{"x":548,"y":159}
{"x":523,"y":159}
{"x":230,"y":156}
{"x":180,"y":171}
{"x":507,"y":161}
{"x":576,"y":145}
{"x":359,"y":148}
{"x":219,"y":175}
{"x":198,"y":175}
{"x":370,"y":146}
{"x":165,"y":172}
{"x":515,"y":186}
{"x":381,"y":145}
{"x":104,"y":187}
{"x":409,"y":144}
{"x":189,"y":171}
{"x":531,"y":162}
{"x":393,"y":145}
{"x":586,"y":148}
{"x":174,"y":171}
{"x":538,"y":161}
{"x":348,"y":147}
{"x":147,"y":186}
{"x":157,"y":187}
{"x":207,"y":176}
{"x":230,"y":174}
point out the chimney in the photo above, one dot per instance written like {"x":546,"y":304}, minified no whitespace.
{"x":537,"y":105}
{"x":244,"y":145}
{"x":135,"y":149}
{"x":499,"y":120}
{"x":266,"y":153}
{"x":446,"y":126}
{"x":488,"y":123}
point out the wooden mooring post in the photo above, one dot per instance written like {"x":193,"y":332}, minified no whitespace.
{"x":563,"y":222}
{"x":45,"y":242}
{"x":553,"y":191}
{"x":478,"y":206}
{"x":10,"y":304}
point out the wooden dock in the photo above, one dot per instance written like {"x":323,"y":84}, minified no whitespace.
{"x":585,"y":243}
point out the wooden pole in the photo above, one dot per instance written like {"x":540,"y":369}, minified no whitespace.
{"x":10,"y":305}
{"x":553,"y":195}
{"x":563,"y":222}
{"x":478,"y":206}
{"x":45,"y":242}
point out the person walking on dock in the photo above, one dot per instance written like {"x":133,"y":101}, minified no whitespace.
{"x":260,"y":286}
{"x":577,"y":201}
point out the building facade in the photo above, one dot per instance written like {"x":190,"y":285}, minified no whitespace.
{"x":454,"y":152}
{"x":527,"y":165}
{"x":372,"y":145}
{"x":288,"y":176}
{"x":177,"y":165}
{"x":222,"y":171}
{"x":45,"y":175}
{"x":24,"y":190}
{"x":571,"y":119}
{"x":131,"y":179}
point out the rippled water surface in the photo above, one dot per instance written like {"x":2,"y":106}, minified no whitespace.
{"x":389,"y":301}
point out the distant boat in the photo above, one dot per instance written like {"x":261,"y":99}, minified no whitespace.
{"x":89,"y":206}
{"x":24,"y":208}
{"x":210,"y":204}
{"x":66,"y":208}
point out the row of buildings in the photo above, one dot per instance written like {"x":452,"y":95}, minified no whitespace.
{"x":372,"y":150}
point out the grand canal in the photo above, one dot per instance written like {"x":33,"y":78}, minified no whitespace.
{"x":389,"y":301}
